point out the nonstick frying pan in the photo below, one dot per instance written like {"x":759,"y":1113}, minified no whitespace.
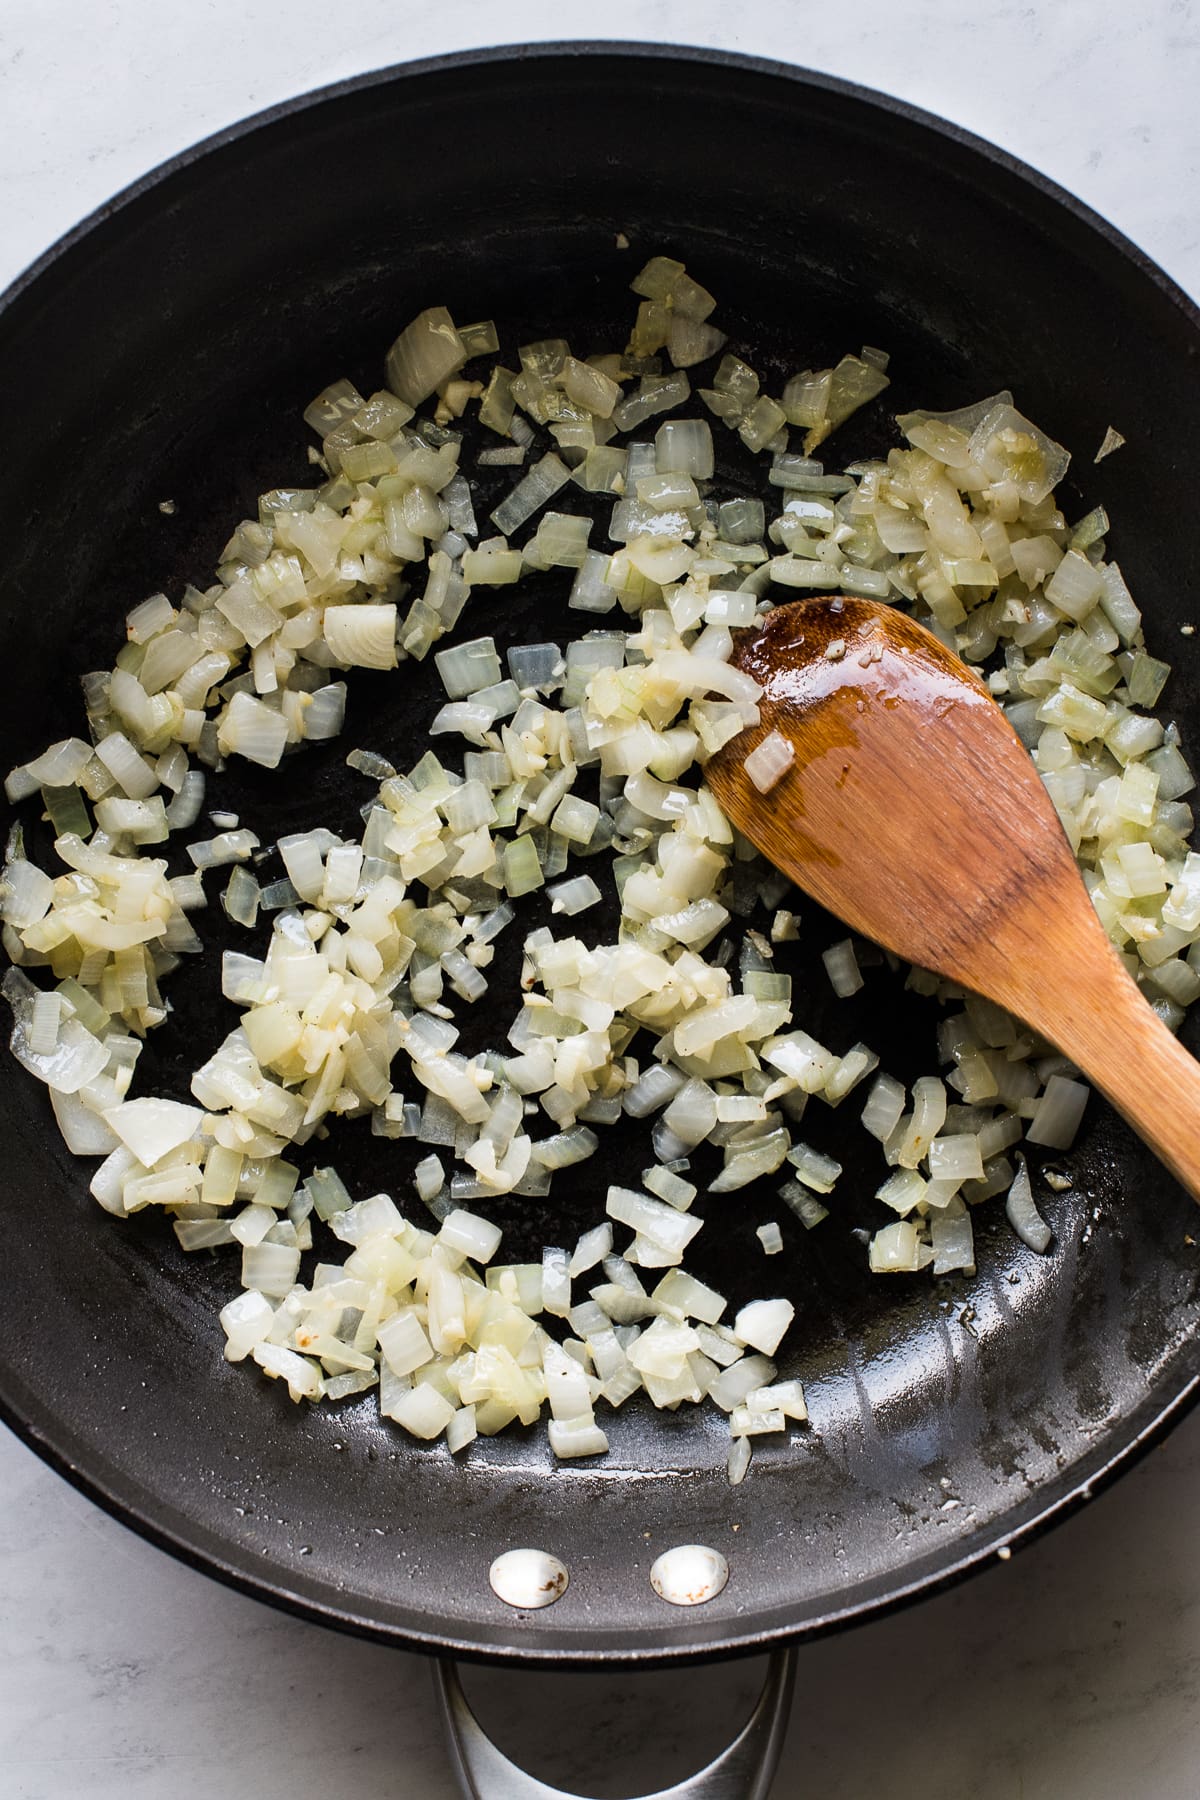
{"x":164,"y":351}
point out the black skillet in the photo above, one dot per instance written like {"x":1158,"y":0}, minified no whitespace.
{"x":163,"y":351}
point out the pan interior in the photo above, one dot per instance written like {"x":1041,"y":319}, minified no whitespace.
{"x":166,"y":353}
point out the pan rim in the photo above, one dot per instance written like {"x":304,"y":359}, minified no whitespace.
{"x":583,"y":50}
{"x":991,"y":1545}
{"x":36,"y":1426}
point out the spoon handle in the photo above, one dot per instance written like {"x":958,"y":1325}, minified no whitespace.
{"x":1117,"y":1039}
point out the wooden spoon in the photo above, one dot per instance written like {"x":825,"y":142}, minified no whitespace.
{"x":914,"y":813}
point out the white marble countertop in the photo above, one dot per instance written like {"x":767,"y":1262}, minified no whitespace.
{"x":1073,"y":1670}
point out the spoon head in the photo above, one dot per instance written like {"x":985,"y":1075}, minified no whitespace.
{"x":912,"y":810}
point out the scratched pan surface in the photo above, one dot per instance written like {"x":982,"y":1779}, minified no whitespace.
{"x":164,"y":351}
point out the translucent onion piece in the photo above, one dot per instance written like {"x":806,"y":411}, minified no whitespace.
{"x":362,"y":636}
{"x":77,"y":1056}
{"x":426,"y":354}
{"x":1023,"y":1214}
{"x":770,"y":761}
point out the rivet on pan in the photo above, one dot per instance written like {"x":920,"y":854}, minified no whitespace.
{"x":689,"y":1574}
{"x":528,"y":1579}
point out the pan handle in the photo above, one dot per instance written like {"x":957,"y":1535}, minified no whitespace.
{"x":742,"y":1772}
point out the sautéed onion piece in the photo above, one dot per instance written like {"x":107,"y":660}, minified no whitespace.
{"x":590,"y":749}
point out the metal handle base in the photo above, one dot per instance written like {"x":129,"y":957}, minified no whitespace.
{"x":742,"y":1772}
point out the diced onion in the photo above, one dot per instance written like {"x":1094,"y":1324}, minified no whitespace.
{"x":1023,"y":1214}
{"x":770,"y":761}
{"x":548,"y":754}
